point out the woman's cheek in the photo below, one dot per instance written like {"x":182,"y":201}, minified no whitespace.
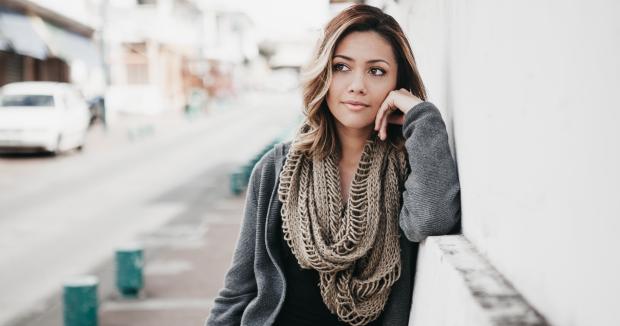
{"x":375,"y":108}
{"x":337,"y":83}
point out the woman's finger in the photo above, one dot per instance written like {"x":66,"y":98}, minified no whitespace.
{"x":382,"y":109}
{"x":389,"y":118}
{"x":378,"y":116}
{"x":384,"y":123}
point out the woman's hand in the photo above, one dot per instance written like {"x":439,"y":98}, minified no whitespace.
{"x":401,"y":100}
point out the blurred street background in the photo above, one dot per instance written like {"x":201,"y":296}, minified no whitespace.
{"x":124,"y":121}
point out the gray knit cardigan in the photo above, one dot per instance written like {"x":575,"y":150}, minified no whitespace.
{"x":254,"y":286}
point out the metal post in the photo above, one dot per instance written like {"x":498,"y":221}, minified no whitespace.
{"x":129,"y":274}
{"x":80,"y":301}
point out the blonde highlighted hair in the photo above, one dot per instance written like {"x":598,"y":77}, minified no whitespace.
{"x":317,"y":137}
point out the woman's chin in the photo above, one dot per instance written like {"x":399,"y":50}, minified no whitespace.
{"x":359,"y":125}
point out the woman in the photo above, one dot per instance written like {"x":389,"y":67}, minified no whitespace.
{"x":332,"y":220}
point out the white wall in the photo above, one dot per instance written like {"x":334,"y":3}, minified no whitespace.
{"x":456,"y":286}
{"x":530,"y":90}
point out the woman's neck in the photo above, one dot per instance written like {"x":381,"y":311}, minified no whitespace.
{"x":352,"y":143}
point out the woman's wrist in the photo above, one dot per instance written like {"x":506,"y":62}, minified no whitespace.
{"x":405,"y":101}
{"x":413,"y":106}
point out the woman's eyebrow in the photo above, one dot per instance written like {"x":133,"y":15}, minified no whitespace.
{"x":351,"y":59}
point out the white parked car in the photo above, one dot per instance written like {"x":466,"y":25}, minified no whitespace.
{"x":42,"y":116}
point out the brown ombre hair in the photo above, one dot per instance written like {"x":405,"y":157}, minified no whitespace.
{"x":317,"y":137}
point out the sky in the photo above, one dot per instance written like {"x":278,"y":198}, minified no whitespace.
{"x":280,"y":17}
{"x":276,"y":18}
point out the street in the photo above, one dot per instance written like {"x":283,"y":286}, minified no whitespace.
{"x":62,"y":216}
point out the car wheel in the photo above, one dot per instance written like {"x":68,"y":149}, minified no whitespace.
{"x":57,"y":150}
{"x":80,"y":147}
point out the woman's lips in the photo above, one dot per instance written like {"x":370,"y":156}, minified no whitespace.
{"x":355,"y":106}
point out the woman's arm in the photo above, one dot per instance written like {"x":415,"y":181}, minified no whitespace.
{"x":431,"y":200}
{"x":240,"y":282}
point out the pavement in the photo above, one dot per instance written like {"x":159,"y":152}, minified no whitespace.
{"x":185,"y":259}
{"x":185,"y":263}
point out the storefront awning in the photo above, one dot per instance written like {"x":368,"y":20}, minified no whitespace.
{"x":18,"y":32}
{"x":72,"y":46}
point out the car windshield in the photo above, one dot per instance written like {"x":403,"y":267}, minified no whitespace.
{"x":27,"y":100}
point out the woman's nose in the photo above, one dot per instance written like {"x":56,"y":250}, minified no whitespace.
{"x":357,"y":84}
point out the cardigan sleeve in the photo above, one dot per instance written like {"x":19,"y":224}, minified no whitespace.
{"x":431,"y":198}
{"x":240,"y":281}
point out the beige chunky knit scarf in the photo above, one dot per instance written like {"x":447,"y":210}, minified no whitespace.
{"x":354,"y":247}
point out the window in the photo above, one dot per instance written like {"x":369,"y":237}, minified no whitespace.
{"x":137,"y":74}
{"x":27,"y":100}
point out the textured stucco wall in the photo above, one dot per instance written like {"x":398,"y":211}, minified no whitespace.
{"x":528,"y":91}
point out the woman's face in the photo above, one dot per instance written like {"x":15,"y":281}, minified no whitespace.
{"x":364,"y":72}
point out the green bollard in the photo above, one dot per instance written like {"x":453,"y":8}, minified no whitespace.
{"x":247,"y":173}
{"x":129,"y":265}
{"x":235,"y":182}
{"x":80,"y":301}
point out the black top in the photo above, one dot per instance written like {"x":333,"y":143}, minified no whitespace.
{"x":303,"y":305}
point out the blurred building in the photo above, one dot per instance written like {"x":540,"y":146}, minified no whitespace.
{"x":231,"y":48}
{"x":160,"y":52}
{"x":39,"y":43}
{"x":150,"y":47}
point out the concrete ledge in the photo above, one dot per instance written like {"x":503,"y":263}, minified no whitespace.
{"x":456,"y":286}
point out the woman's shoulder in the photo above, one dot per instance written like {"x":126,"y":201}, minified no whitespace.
{"x":269,"y":166}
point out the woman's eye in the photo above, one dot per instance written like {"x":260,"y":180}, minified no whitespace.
{"x":340,"y":67}
{"x":377,"y":71}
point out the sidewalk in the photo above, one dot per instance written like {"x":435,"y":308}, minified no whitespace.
{"x":185,"y":263}
{"x":185,"y":258}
